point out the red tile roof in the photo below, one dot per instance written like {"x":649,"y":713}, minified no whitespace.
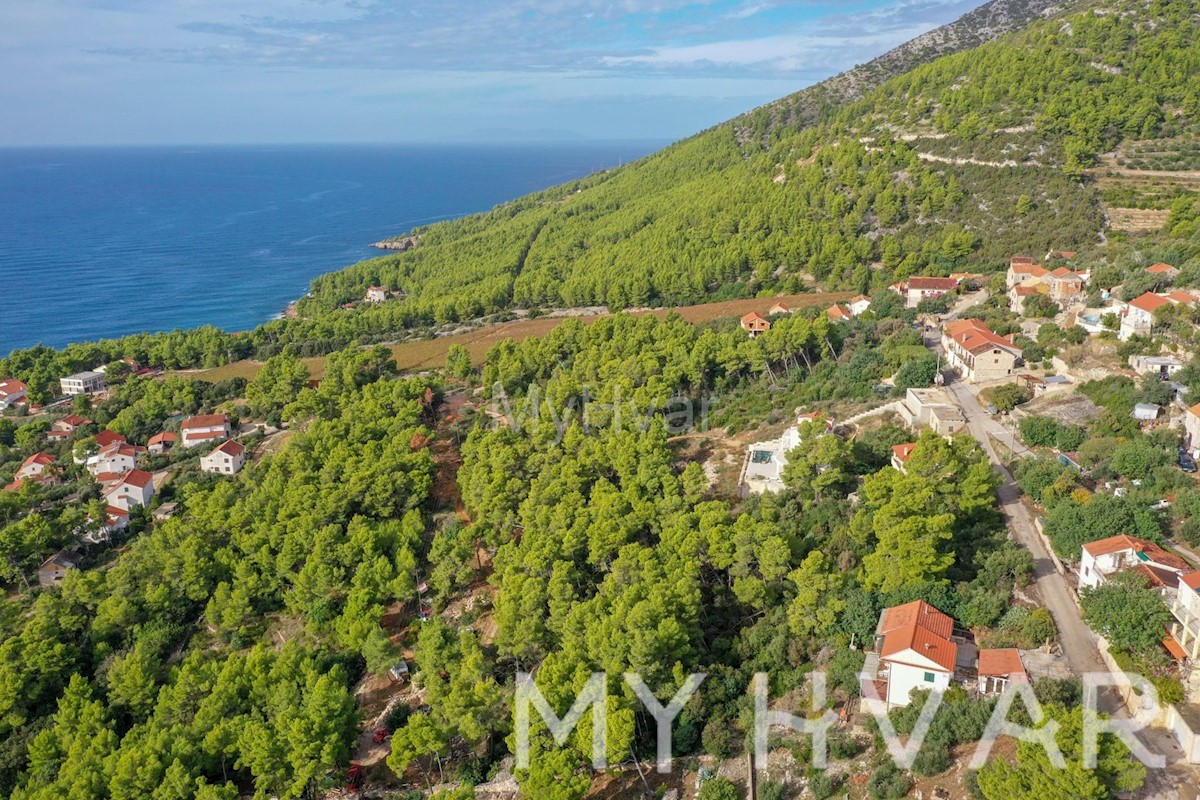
{"x":205,"y":421}
{"x":231,"y":448}
{"x":904,"y":451}
{"x":1159,"y":268}
{"x":1157,"y":576}
{"x":137,"y":477}
{"x":200,"y":436}
{"x":974,"y":336}
{"x":1004,"y":662}
{"x":1191,"y":580}
{"x":166,"y":437}
{"x":45,"y":459}
{"x":1123,"y":542}
{"x":105,"y":438}
{"x":11,"y":386}
{"x":919,"y":627}
{"x":74,"y":421}
{"x":920,"y":282}
{"x":836,"y":312}
{"x":1150,"y":302}
{"x":1182,"y":297}
{"x":778,"y":308}
{"x":1020,"y":261}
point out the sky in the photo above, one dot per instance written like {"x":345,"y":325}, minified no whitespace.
{"x":109,"y":72}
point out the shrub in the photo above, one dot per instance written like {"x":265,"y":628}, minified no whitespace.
{"x":772,"y":790}
{"x":933,"y":759}
{"x":822,"y":785}
{"x":843,"y":746}
{"x":888,"y":783}
{"x":719,"y":789}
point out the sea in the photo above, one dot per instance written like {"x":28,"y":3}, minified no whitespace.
{"x":103,"y":242}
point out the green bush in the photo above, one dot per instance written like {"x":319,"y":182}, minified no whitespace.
{"x":888,"y":783}
{"x":719,"y":789}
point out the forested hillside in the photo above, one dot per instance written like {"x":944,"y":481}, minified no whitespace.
{"x":956,"y":163}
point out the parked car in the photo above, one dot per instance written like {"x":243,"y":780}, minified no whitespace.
{"x":1186,"y":462}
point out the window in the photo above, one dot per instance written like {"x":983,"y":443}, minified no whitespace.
{"x":929,"y":677}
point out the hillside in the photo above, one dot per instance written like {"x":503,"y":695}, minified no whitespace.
{"x":872,"y":175}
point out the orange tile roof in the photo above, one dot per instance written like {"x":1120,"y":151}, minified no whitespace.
{"x":74,"y":421}
{"x":205,"y":421}
{"x":45,"y":459}
{"x":1122,"y":542}
{"x":164,"y":437}
{"x":1036,"y":270}
{"x":1173,"y":647}
{"x":1191,"y":580}
{"x":137,"y":477}
{"x":922,"y":282}
{"x":973,"y":335}
{"x":919,"y":627}
{"x":231,"y":448}
{"x":105,"y":438}
{"x":1020,"y":261}
{"x":1002,"y":662}
{"x":836,"y":312}
{"x":1159,"y":268}
{"x":1149,"y":302}
{"x":904,"y":451}
{"x":11,"y":386}
{"x":1182,"y":297}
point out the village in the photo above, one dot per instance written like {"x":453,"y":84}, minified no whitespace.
{"x":127,"y":476}
{"x":987,"y":386}
{"x":986,"y":335}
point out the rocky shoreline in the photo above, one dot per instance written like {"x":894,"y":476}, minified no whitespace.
{"x":401,"y":244}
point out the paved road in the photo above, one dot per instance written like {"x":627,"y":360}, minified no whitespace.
{"x":1078,"y":642}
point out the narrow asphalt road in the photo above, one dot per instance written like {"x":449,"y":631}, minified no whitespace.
{"x":1078,"y":642}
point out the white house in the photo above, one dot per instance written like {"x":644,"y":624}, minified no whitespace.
{"x":12,"y":392}
{"x":35,"y":466}
{"x":82,"y":383}
{"x":1100,"y":559}
{"x":66,"y":427}
{"x":1162,"y":366}
{"x":1022,"y":269}
{"x":162,"y":442}
{"x":998,"y":668}
{"x":1184,"y":601}
{"x":204,"y":428}
{"x":858,"y":305}
{"x":901,"y":453}
{"x":134,"y":488}
{"x":376,"y":294}
{"x":916,"y":649}
{"x":227,"y":459}
{"x":116,"y":459}
{"x":1139,"y":316}
{"x":919,"y":287}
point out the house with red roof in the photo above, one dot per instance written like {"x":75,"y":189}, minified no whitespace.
{"x":915,"y":648}
{"x":1164,"y":270}
{"x":998,"y":668}
{"x":1103,"y":558}
{"x":1140,"y":315}
{"x":36,"y":466}
{"x":754,"y":324}
{"x":226,"y":459}
{"x":204,"y":428}
{"x":837,"y":314}
{"x":107,"y":438}
{"x":901,"y":453}
{"x":778,"y":308}
{"x":1022,"y":269}
{"x":134,"y":488}
{"x":919,"y":287}
{"x":162,"y":442}
{"x":12,"y":392}
{"x":977,"y":352}
{"x":67,"y":427}
{"x":118,"y":457}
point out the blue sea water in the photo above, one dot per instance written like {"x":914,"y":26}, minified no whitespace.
{"x":98,"y":243}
